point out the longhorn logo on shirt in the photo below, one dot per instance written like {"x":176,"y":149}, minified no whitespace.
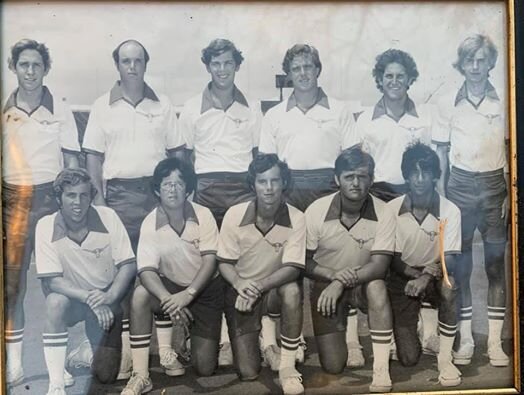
{"x":361,"y":242}
{"x":491,"y":117}
{"x":196,"y":243}
{"x":277,"y":246}
{"x":97,"y":251}
{"x":431,"y":234}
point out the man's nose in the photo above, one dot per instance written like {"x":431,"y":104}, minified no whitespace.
{"x":30,"y":69}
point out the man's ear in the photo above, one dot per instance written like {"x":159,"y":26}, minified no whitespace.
{"x":337,"y":181}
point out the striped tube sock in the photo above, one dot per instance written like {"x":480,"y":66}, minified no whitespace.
{"x":140,"y":353}
{"x":289,"y":350}
{"x":55,"y":346}
{"x":125,"y":334}
{"x":447,"y":337}
{"x":429,"y":317}
{"x":495,"y":322}
{"x":269,"y":329}
{"x":13,"y":345}
{"x":381,"y":344}
{"x":352,"y":328}
{"x":164,"y":332}
{"x":465,"y":315}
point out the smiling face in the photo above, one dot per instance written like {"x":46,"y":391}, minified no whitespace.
{"x":395,"y":82}
{"x":476,"y":68}
{"x":30,"y":70}
{"x":222,"y":69}
{"x":354,"y":184}
{"x":172,"y":192}
{"x":304,"y":73}
{"x":421,"y":182}
{"x":131,"y":63}
{"x":269,"y":186}
{"x":76,"y":200}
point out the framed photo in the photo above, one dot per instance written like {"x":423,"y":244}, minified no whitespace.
{"x":350,"y":37}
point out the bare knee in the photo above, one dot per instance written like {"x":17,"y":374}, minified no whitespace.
{"x":106,"y":364}
{"x":377,"y":294}
{"x":14,"y":287}
{"x":205,"y":368}
{"x":140,"y":299}
{"x":447,"y":293}
{"x":290,"y":294}
{"x":331,"y":364}
{"x":56,"y":306}
{"x":248,"y":373}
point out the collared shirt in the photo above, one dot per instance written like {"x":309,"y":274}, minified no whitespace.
{"x":256,"y":255}
{"x":133,"y":139}
{"x":310,"y":140}
{"x":417,"y":242}
{"x":33,"y":143}
{"x":476,"y":133}
{"x":175,"y":256}
{"x":223,"y":139}
{"x":386,"y":139}
{"x":337,"y":247}
{"x":91,"y":264}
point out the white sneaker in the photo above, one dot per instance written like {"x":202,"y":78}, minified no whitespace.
{"x":449,"y":375}
{"x":69,"y":380}
{"x":355,"y":356}
{"x":271,"y":356}
{"x":169,"y":361}
{"x":464,"y":354}
{"x":15,"y":376}
{"x":431,"y":345}
{"x":225,"y":356}
{"x":291,"y":381}
{"x":126,"y":366}
{"x":137,"y":385}
{"x":381,"y":380}
{"x":56,"y":390}
{"x":497,"y":356}
{"x":300,"y":356}
{"x":80,"y":357}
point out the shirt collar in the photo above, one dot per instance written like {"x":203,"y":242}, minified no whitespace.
{"x":462,"y":94}
{"x":380,"y":108}
{"x":94,"y":224}
{"x":209,"y":102}
{"x":162,"y":219}
{"x":281,"y":217}
{"x":46,"y":101}
{"x":321,"y":100}
{"x":118,"y":94}
{"x":434,"y":207}
{"x":367,"y":211}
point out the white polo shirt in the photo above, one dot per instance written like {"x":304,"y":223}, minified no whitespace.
{"x":92,"y":264}
{"x":257,"y":255}
{"x":222,"y":140}
{"x":310,"y":140}
{"x":386,"y":139}
{"x":175,"y":256}
{"x":336,"y":247}
{"x":33,"y":143}
{"x":477,"y":133}
{"x":133,"y":139}
{"x":416,"y":242}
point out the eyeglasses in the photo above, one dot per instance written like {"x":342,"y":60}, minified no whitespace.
{"x":168,"y":186}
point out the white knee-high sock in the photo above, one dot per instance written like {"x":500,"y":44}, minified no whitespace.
{"x":55,"y":346}
{"x":140,"y":353}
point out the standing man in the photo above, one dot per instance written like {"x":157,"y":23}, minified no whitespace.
{"x":39,"y":138}
{"x":416,"y":274}
{"x":308,"y":130}
{"x":130,"y":129}
{"x":472,"y":127}
{"x":85,"y":261}
{"x":261,"y":253}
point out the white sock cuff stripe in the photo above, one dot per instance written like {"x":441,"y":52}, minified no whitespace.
{"x":447,"y":326}
{"x":496,"y":317}
{"x":164,"y":324}
{"x":426,"y":305}
{"x":352,"y":312}
{"x":12,"y":332}
{"x":273,"y":315}
{"x":466,"y":316}
{"x":14,"y":339}
{"x":497,"y":308}
{"x":466,"y":308}
{"x":59,"y":335}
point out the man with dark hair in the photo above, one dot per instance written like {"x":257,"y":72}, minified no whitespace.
{"x":261,"y":253}
{"x":86,"y":264}
{"x":39,"y":139}
{"x":178,"y":278}
{"x":416,"y":271}
{"x":350,"y":241}
{"x":221,"y":130}
{"x":308,"y":129}
{"x":130,"y":129}
{"x":472,"y":127}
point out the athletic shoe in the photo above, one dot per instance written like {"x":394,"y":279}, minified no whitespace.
{"x":272,"y":357}
{"x":126,"y":365}
{"x":137,"y":385}
{"x":300,"y":356}
{"x":497,"y":356}
{"x":69,"y":380}
{"x":449,"y":375}
{"x":431,"y":345}
{"x":15,"y":376}
{"x":80,"y":357}
{"x":381,"y":380}
{"x":56,"y":390}
{"x":225,"y":356}
{"x":291,"y":381}
{"x":355,"y":356}
{"x":169,"y":361}
{"x":464,"y":354}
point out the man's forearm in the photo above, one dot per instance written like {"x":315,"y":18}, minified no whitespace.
{"x":62,"y":286}
{"x":282,"y":276}
{"x":205,"y":273}
{"x":122,"y":282}
{"x":402,"y":268}
{"x":442,"y":153}
{"x":94,"y":166}
{"x":153,"y":284}
{"x":375,"y":269}
{"x":317,"y":272}
{"x":229,"y":273}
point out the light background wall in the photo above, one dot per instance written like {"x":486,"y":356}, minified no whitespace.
{"x":348,"y":35}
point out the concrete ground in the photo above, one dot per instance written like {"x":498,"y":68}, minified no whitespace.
{"x":423,"y":377}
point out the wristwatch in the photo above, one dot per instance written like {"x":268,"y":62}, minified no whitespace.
{"x":191,"y":291}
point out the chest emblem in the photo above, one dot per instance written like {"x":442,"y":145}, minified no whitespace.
{"x":431,"y":234}
{"x":97,"y":252}
{"x":277,"y":246}
{"x":491,"y":117}
{"x":361,"y":242}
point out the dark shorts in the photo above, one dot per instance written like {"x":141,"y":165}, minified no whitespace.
{"x":240,"y":323}
{"x":207,"y":308}
{"x":132,"y":199}
{"x":352,"y":297}
{"x":310,"y":185}
{"x":480,"y":197}
{"x":23,"y":206}
{"x":221,"y":190}
{"x":386,"y":191}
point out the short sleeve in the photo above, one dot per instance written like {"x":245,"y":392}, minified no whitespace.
{"x":120,"y":244}
{"x":441,"y":126}
{"x":173,"y":136}
{"x":347,"y":127}
{"x":312,"y":229}
{"x":69,"y":132}
{"x":47,"y":259}
{"x":354,"y":135}
{"x":268,"y":142}
{"x":186,"y":127}
{"x":295,"y":248}
{"x":452,"y":233}
{"x":94,"y":138}
{"x":256,"y":124}
{"x":208,"y":233}
{"x":147,"y":255}
{"x":385,"y":233}
{"x":228,"y":243}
